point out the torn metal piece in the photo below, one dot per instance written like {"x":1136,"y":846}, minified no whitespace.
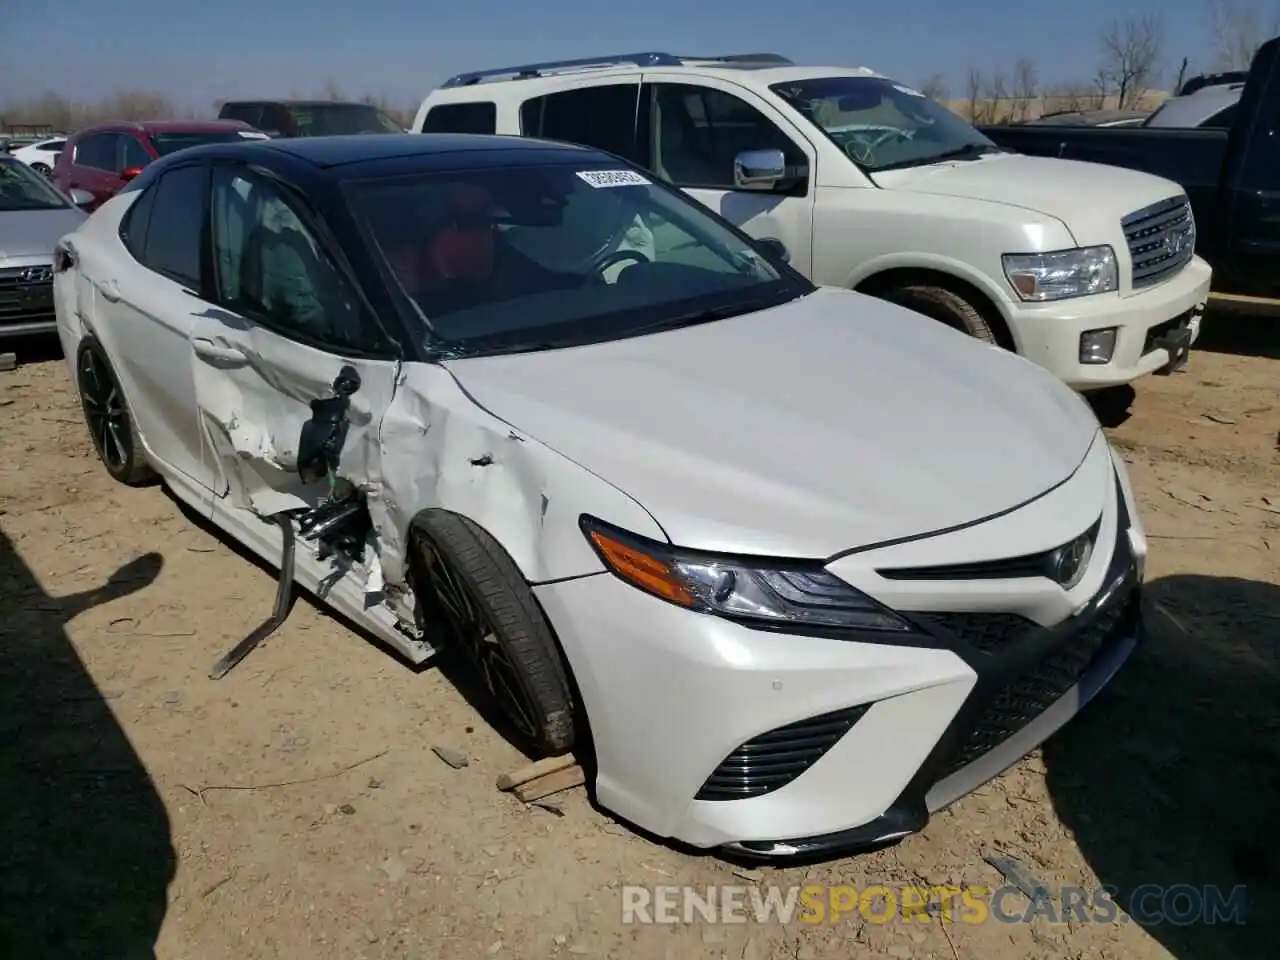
{"x":280,"y":613}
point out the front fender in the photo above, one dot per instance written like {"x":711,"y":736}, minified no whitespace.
{"x":442,"y":450}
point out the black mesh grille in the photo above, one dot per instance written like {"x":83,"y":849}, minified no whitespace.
{"x":772,"y":760}
{"x":23,"y":299}
{"x":987,"y":632}
{"x":1029,"y":695}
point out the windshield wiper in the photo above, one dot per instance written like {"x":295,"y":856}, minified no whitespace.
{"x":702,"y":316}
{"x":970,"y":151}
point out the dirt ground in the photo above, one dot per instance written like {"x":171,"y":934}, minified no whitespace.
{"x":296,"y":809}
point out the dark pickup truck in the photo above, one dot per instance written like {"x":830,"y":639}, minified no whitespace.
{"x":1232,"y":176}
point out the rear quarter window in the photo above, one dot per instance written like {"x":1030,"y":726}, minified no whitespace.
{"x":477,"y":117}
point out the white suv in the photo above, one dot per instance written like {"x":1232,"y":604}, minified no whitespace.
{"x":866,"y":184}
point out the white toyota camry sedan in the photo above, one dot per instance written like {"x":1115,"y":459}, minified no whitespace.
{"x":792,"y":566}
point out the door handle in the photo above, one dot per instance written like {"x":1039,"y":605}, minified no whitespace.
{"x":109,"y":290}
{"x":208,"y":350}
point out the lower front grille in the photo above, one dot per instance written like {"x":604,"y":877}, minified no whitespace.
{"x":1161,"y":240}
{"x":772,"y":760}
{"x":1027,"y":696}
{"x":1162,"y":330}
{"x":23,"y":300}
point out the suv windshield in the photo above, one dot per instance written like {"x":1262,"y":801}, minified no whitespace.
{"x":167,"y":143}
{"x":337,"y":119}
{"x":534,"y":257}
{"x":21,"y":188}
{"x":881,"y":125}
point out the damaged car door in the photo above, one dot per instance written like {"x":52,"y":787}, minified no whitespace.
{"x":292,"y":371}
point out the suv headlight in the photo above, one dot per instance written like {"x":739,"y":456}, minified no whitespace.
{"x":1038,"y":277}
{"x":771,"y":593}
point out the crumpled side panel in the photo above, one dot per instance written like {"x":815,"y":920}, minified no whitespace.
{"x":252,"y":412}
{"x":442,"y":451}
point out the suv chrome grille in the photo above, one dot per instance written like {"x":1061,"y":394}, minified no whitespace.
{"x":1161,"y":239}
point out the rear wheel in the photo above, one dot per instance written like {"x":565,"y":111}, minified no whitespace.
{"x":115,"y":436}
{"x":945,"y":306}
{"x":43,"y":169}
{"x":468,"y":585}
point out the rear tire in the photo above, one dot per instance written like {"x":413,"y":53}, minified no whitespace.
{"x":106,"y":413}
{"x":945,"y":306}
{"x":466,"y":582}
{"x":43,"y":169}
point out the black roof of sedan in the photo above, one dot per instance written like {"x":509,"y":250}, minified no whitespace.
{"x":363,"y":148}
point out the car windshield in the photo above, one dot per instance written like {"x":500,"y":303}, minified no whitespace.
{"x":530,"y":257}
{"x":338,"y":119}
{"x":167,"y":143}
{"x":22,"y":188}
{"x":882,"y":125}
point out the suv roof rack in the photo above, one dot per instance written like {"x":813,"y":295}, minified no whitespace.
{"x":652,"y":58}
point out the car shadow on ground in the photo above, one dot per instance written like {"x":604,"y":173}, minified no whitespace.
{"x":1172,"y":777}
{"x":85,"y":850}
{"x":1243,"y":330}
{"x":39,"y":349}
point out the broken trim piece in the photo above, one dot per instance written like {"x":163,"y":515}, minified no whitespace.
{"x":279,"y":614}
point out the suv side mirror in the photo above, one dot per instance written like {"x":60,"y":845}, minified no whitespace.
{"x":81,"y":198}
{"x":759,"y":169}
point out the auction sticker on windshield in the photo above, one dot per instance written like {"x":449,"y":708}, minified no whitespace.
{"x":613,"y":178}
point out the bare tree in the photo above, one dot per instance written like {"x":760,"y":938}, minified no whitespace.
{"x":997,"y":97}
{"x":1069,"y":98}
{"x":1182,"y":75}
{"x":935,"y":88}
{"x":1131,"y":52}
{"x":332,"y":91}
{"x":973,"y":88}
{"x":1025,"y":88}
{"x":1239,"y":27}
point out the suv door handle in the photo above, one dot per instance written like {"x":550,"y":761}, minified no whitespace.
{"x":208,"y":350}
{"x":109,"y":290}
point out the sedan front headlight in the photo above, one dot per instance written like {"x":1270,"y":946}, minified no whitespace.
{"x":1038,"y":277}
{"x":769,"y":593}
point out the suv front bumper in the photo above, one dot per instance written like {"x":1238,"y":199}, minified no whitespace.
{"x":1147,"y":325}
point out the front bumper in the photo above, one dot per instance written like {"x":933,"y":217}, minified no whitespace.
{"x":1050,"y":333}
{"x":679,"y":703}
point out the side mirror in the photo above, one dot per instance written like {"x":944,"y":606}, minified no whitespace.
{"x":81,"y":198}
{"x":759,"y":169}
{"x":128,"y":173}
{"x":775,"y":249}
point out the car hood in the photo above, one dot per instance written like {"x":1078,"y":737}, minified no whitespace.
{"x":1045,"y":185}
{"x":28,"y":234}
{"x":831,"y":422}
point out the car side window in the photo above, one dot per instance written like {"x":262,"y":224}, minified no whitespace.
{"x":52,"y":147}
{"x":132,"y":153}
{"x":250,"y":113}
{"x":97,"y":152}
{"x":602,"y":116}
{"x":133,"y":228}
{"x":477,"y":117}
{"x":272,"y":268}
{"x":697,"y":132}
{"x":175,"y":232}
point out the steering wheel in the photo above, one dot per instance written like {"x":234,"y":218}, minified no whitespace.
{"x":619,"y":256}
{"x":863,"y":150}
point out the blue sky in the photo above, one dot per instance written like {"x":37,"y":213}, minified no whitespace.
{"x":84,"y":49}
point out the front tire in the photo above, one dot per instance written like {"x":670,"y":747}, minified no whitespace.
{"x":466,"y":583}
{"x":945,"y":306}
{"x":106,"y":413}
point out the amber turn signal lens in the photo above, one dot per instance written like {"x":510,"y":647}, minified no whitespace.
{"x":639,"y":568}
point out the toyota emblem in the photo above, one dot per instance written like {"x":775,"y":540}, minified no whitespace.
{"x":1068,"y":563}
